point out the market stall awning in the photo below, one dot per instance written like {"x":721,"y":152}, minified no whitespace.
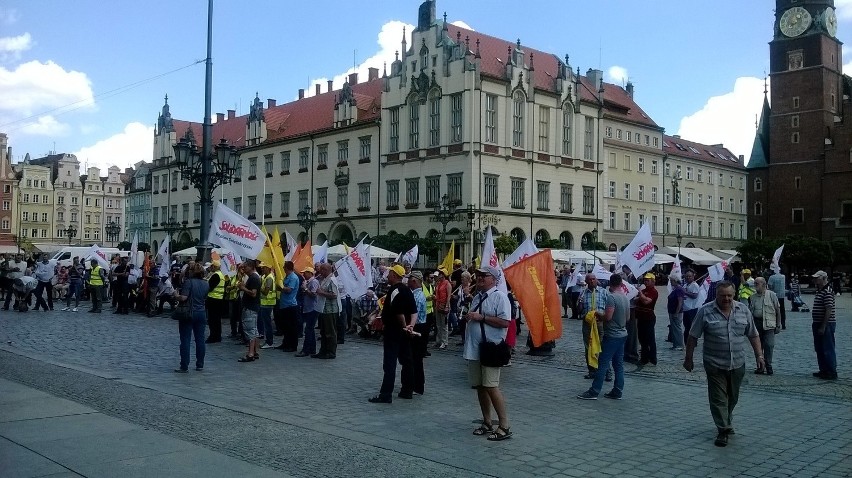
{"x":568,"y":256}
{"x":694,"y":254}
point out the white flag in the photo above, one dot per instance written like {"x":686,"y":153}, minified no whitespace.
{"x":776,"y":260}
{"x":410,"y":257}
{"x":229,"y":261}
{"x":291,"y":246}
{"x":163,"y":253}
{"x":675,"y":270}
{"x":703,"y":291}
{"x":639,"y":254}
{"x":629,"y":290}
{"x":717,"y":272}
{"x":489,"y":258}
{"x":354,"y":272}
{"x":321,"y":255}
{"x":526,"y":249}
{"x":242,"y":235}
{"x":134,"y":248}
{"x":96,"y":253}
{"x":601,"y":273}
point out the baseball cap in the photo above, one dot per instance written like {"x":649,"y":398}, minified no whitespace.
{"x":416,"y":275}
{"x":490,"y":271}
{"x":398,"y":270}
{"x":649,"y":275}
{"x":207,"y":264}
{"x":435,"y":274}
{"x":819,"y":274}
{"x":746,"y":271}
{"x":457,"y":262}
{"x":307,"y":269}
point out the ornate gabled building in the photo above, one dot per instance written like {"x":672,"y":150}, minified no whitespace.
{"x":8,"y":198}
{"x":801,"y":163}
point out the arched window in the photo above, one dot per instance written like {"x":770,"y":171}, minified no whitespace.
{"x":541,"y":236}
{"x":433,"y":234}
{"x":321,"y":238}
{"x":613,"y":247}
{"x":412,"y":234}
{"x":758,"y":233}
{"x":567,"y":240}
{"x":758,"y":184}
{"x":567,"y":118}
{"x":424,"y":58}
{"x":587,"y":241}
{"x":758,"y":209}
{"x":689,"y":245}
{"x":518,"y":112}
{"x":518,"y":235}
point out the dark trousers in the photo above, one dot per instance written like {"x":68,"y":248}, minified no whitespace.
{"x":647,"y":340}
{"x":288,"y":325}
{"x":631,"y":346}
{"x":309,"y":321}
{"x":575,"y":309}
{"x":340,"y":326}
{"x":277,"y":317}
{"x":113,"y":289}
{"x":824,"y":348}
{"x":723,"y":392}
{"x":783,"y":312}
{"x":96,"y":292}
{"x":235,"y":314}
{"x":397,"y":348}
{"x":328,"y":334}
{"x":418,"y":353}
{"x":215,"y":307}
{"x":120,"y":295}
{"x":431,"y":324}
{"x":39,"y":291}
{"x":688,"y":317}
{"x":10,"y":292}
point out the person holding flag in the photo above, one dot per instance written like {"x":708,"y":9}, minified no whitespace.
{"x":612,"y":349}
{"x":646,"y":319}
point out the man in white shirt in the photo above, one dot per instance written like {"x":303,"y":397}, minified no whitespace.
{"x":14,"y":270}
{"x":491,"y":308}
{"x":44,"y":272}
{"x":690,"y":302}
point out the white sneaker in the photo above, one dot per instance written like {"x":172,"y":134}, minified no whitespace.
{"x":64,"y":309}
{"x":266,"y":346}
{"x":74,"y":309}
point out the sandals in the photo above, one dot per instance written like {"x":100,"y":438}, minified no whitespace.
{"x":484,"y":429}
{"x":247,"y":358}
{"x":497,"y":436}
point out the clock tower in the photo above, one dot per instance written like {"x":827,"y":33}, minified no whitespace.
{"x":801,"y":165}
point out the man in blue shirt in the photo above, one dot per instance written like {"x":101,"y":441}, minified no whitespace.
{"x":289,"y":309}
{"x":419,"y":343}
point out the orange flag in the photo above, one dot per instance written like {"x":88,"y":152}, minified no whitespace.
{"x":536,"y":292}
{"x":303,"y":257}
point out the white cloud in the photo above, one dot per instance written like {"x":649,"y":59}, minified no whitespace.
{"x":617,"y":75}
{"x":8,"y":16}
{"x":847,"y":52}
{"x":462,"y":24}
{"x":45,"y":126}
{"x":123,"y":149}
{"x":11,"y":47}
{"x":36,"y":88}
{"x":728,"y":119}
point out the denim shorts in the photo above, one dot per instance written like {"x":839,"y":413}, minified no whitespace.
{"x":250,"y":323}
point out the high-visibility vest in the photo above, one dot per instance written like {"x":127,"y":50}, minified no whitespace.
{"x":745,"y":292}
{"x":218,"y":292}
{"x":233,"y":290}
{"x":270,"y":297}
{"x":95,"y":277}
{"x":429,"y":291}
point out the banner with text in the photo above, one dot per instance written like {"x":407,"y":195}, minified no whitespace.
{"x":230,"y":228}
{"x":536,"y":291}
{"x":639,"y":254}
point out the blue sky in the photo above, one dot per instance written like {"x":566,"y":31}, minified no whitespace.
{"x":697,"y":65}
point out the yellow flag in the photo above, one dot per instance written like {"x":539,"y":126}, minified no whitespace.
{"x":447,"y":264}
{"x":278,"y":254}
{"x":267,"y":255}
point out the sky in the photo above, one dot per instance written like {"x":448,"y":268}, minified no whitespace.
{"x":84,"y":78}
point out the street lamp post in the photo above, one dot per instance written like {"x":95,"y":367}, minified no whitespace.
{"x":679,"y":238}
{"x":70,"y":233}
{"x":112,"y":230}
{"x":445,"y":212}
{"x":307,"y":218}
{"x":471,"y":216}
{"x":171,"y":227}
{"x":205,"y":170}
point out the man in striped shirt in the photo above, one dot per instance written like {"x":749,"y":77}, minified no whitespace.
{"x":726,"y":325}
{"x":823,"y":328}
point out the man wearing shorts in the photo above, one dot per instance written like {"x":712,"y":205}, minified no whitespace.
{"x":491,"y":308}
{"x":251,"y":306}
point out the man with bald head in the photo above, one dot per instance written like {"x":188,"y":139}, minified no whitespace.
{"x":592,"y":299}
{"x":766,"y":310}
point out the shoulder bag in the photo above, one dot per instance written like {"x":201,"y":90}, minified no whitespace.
{"x":182,"y":311}
{"x":491,"y":354}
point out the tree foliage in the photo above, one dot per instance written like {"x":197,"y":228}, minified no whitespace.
{"x":550,"y":244}
{"x":799,"y":252}
{"x":504,"y":244}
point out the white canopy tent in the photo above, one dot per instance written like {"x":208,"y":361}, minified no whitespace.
{"x":339,"y":251}
{"x":697,"y":256}
{"x":193,"y":251}
{"x":568,"y":256}
{"x":729,"y":255}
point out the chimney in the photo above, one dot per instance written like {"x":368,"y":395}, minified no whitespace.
{"x":330,"y":86}
{"x":595,"y":77}
{"x":372,"y":74}
{"x":629,"y":88}
{"x":270,"y":102}
{"x":318,"y":89}
{"x":353,"y":79}
{"x":220,"y":117}
{"x":232,"y":114}
{"x":301,"y":93}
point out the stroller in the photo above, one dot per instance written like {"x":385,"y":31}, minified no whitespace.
{"x":800,"y":304}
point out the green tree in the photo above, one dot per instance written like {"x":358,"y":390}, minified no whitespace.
{"x":550,"y":244}
{"x":124,"y":246}
{"x":504,"y":244}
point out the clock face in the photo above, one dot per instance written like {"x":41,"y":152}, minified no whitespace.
{"x":831,"y":22}
{"x":795,"y":21}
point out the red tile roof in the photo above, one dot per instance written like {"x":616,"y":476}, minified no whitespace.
{"x":494,"y":53}
{"x":716,"y":154}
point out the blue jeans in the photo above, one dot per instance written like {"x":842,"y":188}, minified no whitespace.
{"x":309,"y":344}
{"x":196,"y":326}
{"x":264,"y":324}
{"x":824,"y":348}
{"x":612,"y":350}
{"x":75,"y":288}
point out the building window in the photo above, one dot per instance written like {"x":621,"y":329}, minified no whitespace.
{"x":363,"y":196}
{"x":303,"y":199}
{"x":710,"y":202}
{"x":414,"y":126}
{"x":252,"y":207}
{"x":629,"y":136}
{"x":668,"y":172}
{"x":196,"y":212}
{"x":654,"y":222}
{"x":543,"y":194}
{"x":797,"y":182}
{"x":343,"y":152}
{"x":303,"y":159}
{"x":285,"y":204}
{"x":608,"y":131}
{"x":322,"y":156}
{"x":393,"y":194}
{"x":267,"y":165}
{"x":343,"y":198}
{"x":433,"y":191}
{"x":689,"y":199}
{"x":617,"y":133}
{"x":267,"y":205}
{"x":454,"y":187}
{"x":721,"y":203}
{"x":677,"y":225}
{"x":689,"y":227}
{"x":518,"y":193}
{"x":5,"y":224}
{"x":612,"y":189}
{"x":252,"y":168}
{"x":628,"y":163}
{"x":490,"y":181}
{"x":613,"y":160}
{"x":641,"y":165}
{"x":366,"y":148}
{"x":758,"y":233}
{"x":543,"y":128}
{"x":626,"y":190}
{"x":689,"y":173}
{"x":44,"y":217}
{"x":627,"y":221}
{"x":700,"y":228}
{"x":654,"y":166}
{"x":490,"y":118}
{"x":612,"y":220}
{"x":794,"y":121}
{"x":394,"y":130}
{"x":731,"y":204}
{"x":412,"y":192}
{"x":654,"y":194}
{"x":668,"y":199}
{"x":456,"y":118}
{"x":322,"y":200}
{"x":518,"y":108}
{"x":641,"y":193}
{"x":798,"y":216}
{"x":709,"y":177}
{"x":794,"y":138}
{"x":184,"y":216}
{"x":434,"y":121}
{"x":588,"y":138}
{"x":285,"y":161}
{"x":566,"y":203}
{"x":588,"y":200}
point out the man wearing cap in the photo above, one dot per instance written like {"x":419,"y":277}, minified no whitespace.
{"x":268,"y":298}
{"x":726,"y":326}
{"x":490,"y":315}
{"x":443,"y":291}
{"x":251,"y":306}
{"x":421,"y":326}
{"x":646,"y":319}
{"x":398,"y":316}
{"x":309,"y":313}
{"x":823,"y":327}
{"x":215,"y":302}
